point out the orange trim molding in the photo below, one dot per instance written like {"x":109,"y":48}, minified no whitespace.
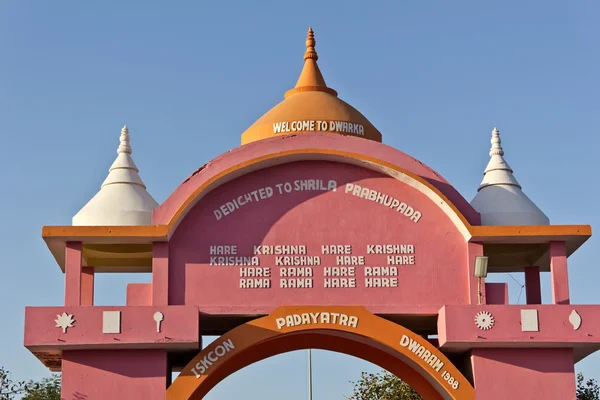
{"x":350,"y":330}
{"x":157,"y":233}
{"x":483,"y":232}
{"x":80,"y":232}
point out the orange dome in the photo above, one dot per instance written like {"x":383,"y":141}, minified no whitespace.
{"x":311,"y":107}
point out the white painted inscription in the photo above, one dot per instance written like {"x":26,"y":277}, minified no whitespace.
{"x":381,"y":271}
{"x":336,"y":249}
{"x":318,"y":126}
{"x":267,"y":192}
{"x":255,"y":283}
{"x":376,"y":277}
{"x":296,"y":272}
{"x":255,"y":278}
{"x":340,"y":271}
{"x":255,"y":272}
{"x":295,"y":283}
{"x":297,"y":268}
{"x":401,"y":260}
{"x":430,"y":359}
{"x":421,"y":352}
{"x":340,"y":283}
{"x":212,"y":357}
{"x":279,"y":250}
{"x":390,"y":249}
{"x":233,"y":260}
{"x":221,"y":250}
{"x":297,"y":260}
{"x":384,"y":199}
{"x":254,"y":196}
{"x":227,"y":255}
{"x":318,"y":318}
{"x":322,"y":185}
{"x":339,"y":277}
{"x":381,"y":282}
{"x":303,"y":185}
{"x":296,"y":278}
{"x":350,"y":260}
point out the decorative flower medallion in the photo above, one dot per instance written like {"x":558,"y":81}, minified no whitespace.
{"x":64,"y":321}
{"x":484,"y":320}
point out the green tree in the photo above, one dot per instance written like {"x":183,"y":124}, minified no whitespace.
{"x":47,"y":389}
{"x":386,"y":386}
{"x":587,"y":390}
{"x":9,"y":388}
{"x":382,"y":386}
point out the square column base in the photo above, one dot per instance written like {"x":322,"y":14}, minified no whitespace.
{"x":501,"y":374}
{"x":114,"y":374}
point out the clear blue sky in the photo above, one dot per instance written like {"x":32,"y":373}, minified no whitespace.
{"x":189,"y":77}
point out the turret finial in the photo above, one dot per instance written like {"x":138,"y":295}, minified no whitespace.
{"x":124,"y":146}
{"x":496,"y":143}
{"x":310,"y":46}
{"x":123,"y":198}
{"x":500,"y":199}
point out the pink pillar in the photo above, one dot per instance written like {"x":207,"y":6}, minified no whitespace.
{"x":526,"y":373}
{"x":496,"y":293}
{"x":114,"y":374}
{"x":559,"y":272}
{"x":87,"y":286}
{"x":533,"y":288}
{"x":160,"y":273}
{"x":474,"y":250}
{"x":73,"y":273}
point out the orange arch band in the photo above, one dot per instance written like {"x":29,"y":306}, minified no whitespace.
{"x":350,"y":330}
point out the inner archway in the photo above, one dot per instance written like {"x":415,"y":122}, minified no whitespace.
{"x":331,"y":375}
{"x":348,"y":330}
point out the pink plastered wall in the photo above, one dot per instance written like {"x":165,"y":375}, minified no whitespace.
{"x":139,"y":294}
{"x":314,"y":218}
{"x":114,"y":374}
{"x":523,"y":374}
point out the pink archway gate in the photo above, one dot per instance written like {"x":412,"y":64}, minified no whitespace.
{"x":351,"y":330}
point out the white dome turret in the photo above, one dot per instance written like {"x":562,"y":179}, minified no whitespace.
{"x":500,"y":200}
{"x":122,"y":199}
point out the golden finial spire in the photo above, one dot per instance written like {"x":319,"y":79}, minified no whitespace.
{"x":311,"y":79}
{"x":310,"y":46}
{"x":309,"y":101}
